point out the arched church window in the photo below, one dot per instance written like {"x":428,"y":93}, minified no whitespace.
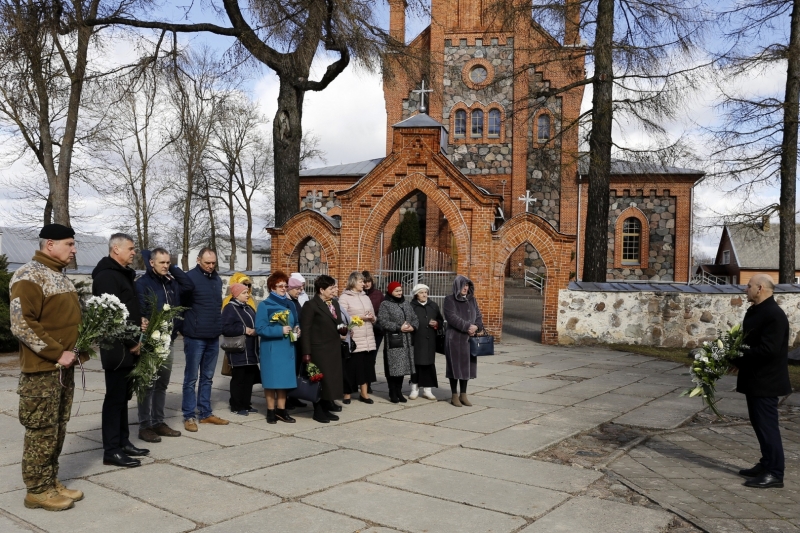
{"x":494,"y":123}
{"x":543,"y":127}
{"x":477,"y":123}
{"x":631,"y":241}
{"x":460,"y":123}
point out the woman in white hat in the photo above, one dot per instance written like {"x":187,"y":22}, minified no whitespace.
{"x":430,"y":320}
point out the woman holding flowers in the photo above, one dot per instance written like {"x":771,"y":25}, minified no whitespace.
{"x":277,"y":324}
{"x":359,"y":369}
{"x":399,"y":321}
{"x":238,"y":318}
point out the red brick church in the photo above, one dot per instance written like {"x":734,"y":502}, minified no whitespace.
{"x":493,"y":174}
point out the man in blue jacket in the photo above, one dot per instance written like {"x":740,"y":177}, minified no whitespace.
{"x":168,"y":284}
{"x":202,"y":326}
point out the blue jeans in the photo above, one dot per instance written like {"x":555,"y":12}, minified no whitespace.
{"x":201,"y":355}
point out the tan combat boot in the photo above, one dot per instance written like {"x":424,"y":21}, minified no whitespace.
{"x":49,"y":500}
{"x":72,"y":494}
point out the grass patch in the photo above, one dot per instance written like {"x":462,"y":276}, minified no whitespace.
{"x":681,"y":355}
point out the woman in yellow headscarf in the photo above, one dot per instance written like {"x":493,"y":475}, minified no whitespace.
{"x":238,"y":277}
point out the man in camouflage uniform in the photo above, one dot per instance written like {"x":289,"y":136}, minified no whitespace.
{"x":45,"y":314}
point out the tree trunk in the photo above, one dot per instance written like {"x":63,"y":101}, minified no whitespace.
{"x":287,"y":134}
{"x":231,"y":221}
{"x":187,"y":210}
{"x":212,"y":223}
{"x":249,"y":235}
{"x":48,"y":210}
{"x":595,"y":256}
{"x":791,"y":108}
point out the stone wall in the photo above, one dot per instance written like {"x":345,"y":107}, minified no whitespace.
{"x":323,"y":204}
{"x":312,"y":258}
{"x":669,"y":319}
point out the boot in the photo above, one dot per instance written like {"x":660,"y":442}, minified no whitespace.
{"x":283,"y":416}
{"x":414,"y":392}
{"x":426,"y":393}
{"x":49,"y":500}
{"x":393,"y":393}
{"x":73,"y":494}
{"x":319,"y":414}
{"x":271,"y":418}
{"x":455,"y":401}
{"x":464,"y":400}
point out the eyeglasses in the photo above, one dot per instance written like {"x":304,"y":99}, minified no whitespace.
{"x":281,"y":286}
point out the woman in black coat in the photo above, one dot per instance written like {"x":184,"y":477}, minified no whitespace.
{"x":320,"y":339}
{"x":464,"y":319}
{"x":238,"y":318}
{"x":430,"y":321}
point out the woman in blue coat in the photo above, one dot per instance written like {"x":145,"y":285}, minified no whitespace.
{"x":277,"y":349}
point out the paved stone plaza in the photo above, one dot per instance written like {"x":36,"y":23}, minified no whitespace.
{"x":427,"y":466}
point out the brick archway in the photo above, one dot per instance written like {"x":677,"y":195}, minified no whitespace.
{"x":556,"y":251}
{"x":291,"y":238}
{"x":387,"y":205}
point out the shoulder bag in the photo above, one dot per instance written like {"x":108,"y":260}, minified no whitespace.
{"x":306,"y":390}
{"x":481,"y":344}
{"x":237,"y":343}
{"x":441,"y":335}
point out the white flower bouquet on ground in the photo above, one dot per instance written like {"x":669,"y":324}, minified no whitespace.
{"x":104,"y":322}
{"x":154,"y":351}
{"x":713,"y":363}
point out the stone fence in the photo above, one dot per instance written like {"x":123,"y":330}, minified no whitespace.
{"x":668,"y":315}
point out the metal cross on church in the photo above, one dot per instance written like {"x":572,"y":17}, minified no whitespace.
{"x":528,"y":199}
{"x":421,"y":93}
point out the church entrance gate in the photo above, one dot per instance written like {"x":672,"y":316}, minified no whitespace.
{"x":411,"y":266}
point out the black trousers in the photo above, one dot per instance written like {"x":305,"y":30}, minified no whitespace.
{"x":764,"y":419}
{"x":242,"y":380}
{"x":116,"y":434}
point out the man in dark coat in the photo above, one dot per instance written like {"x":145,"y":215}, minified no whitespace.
{"x":763,"y":376}
{"x":202,"y":326}
{"x":113,"y":275}
{"x":167,"y":284}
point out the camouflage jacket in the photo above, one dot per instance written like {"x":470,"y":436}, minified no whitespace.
{"x":45,"y":313}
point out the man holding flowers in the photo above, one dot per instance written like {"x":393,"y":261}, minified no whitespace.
{"x":763,"y":376}
{"x":45,"y":314}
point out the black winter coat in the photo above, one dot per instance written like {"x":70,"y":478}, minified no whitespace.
{"x":109,"y":277}
{"x":764,"y":367}
{"x":320,"y":338}
{"x":425,"y":335}
{"x":237,"y":316}
{"x":202,"y":319}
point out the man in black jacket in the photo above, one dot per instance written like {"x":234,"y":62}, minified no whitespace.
{"x":113,"y":275}
{"x":763,"y":376}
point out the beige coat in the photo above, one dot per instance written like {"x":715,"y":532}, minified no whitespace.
{"x":358,"y":303}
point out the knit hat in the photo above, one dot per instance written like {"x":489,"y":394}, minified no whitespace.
{"x":295,"y":283}
{"x":299,"y":277}
{"x":392,"y":286}
{"x":56,"y":232}
{"x":419,"y":287}
{"x":236,"y":289}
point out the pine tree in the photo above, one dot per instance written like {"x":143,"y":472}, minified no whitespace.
{"x":407,"y":234}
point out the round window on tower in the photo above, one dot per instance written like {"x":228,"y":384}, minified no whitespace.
{"x":478,"y":74}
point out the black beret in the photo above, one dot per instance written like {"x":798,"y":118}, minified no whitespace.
{"x":56,"y":232}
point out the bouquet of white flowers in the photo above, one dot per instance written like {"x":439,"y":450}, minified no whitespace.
{"x":104,"y":322}
{"x":713,"y":363}
{"x":156,"y":342}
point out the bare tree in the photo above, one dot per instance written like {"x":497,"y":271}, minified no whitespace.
{"x":756,"y":143}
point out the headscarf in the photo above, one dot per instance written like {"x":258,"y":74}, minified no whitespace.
{"x":458,"y":285}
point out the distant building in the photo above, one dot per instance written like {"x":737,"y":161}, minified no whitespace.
{"x":19,"y":245}
{"x":262,"y":255}
{"x":745,"y":250}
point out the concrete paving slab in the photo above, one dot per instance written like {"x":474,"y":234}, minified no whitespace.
{"x":102,"y":510}
{"x":289,"y":517}
{"x":7,"y":525}
{"x":600,"y":516}
{"x":81,"y":423}
{"x":646,"y":390}
{"x":526,"y":471}
{"x":669,"y":379}
{"x":667,"y":412}
{"x":9,"y":402}
{"x":186,"y":493}
{"x":231,"y":435}
{"x":536,"y":385}
{"x":733,"y":407}
{"x":231,"y":461}
{"x":660,"y":366}
{"x":497,"y":380}
{"x":373,"y":442}
{"x":584,"y":372}
{"x":501,"y":403}
{"x":618,"y":403}
{"x":172,"y":447}
{"x":313,"y":474}
{"x":549,"y":399}
{"x":84,"y":464}
{"x":528,"y":372}
{"x":494,"y":494}
{"x":489,"y":420}
{"x":575,"y":417}
{"x":74,"y":444}
{"x":11,"y":478}
{"x":582,"y":391}
{"x":431,"y":413}
{"x":408,"y":430}
{"x":8,"y":383}
{"x":12,"y":434}
{"x":392,"y":508}
{"x":522,"y":440}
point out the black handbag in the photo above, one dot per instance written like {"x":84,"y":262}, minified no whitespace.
{"x":306,"y":390}
{"x":441,"y":335}
{"x":233,"y":344}
{"x":481,"y":345}
{"x":394,"y":340}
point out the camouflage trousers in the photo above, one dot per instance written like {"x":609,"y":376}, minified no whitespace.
{"x":44,"y":410}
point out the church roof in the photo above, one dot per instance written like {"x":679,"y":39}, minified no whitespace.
{"x":420,"y":120}
{"x":620,"y":167}
{"x":359,"y":169}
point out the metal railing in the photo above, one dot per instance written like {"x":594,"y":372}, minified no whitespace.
{"x":708,"y":279}
{"x":411,"y":266}
{"x":535,"y":280}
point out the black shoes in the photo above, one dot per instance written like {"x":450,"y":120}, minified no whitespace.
{"x":291,"y":403}
{"x":331,"y":407}
{"x":764,"y":481}
{"x":133,"y":451}
{"x":319,"y":414}
{"x":365,"y":400}
{"x":752,"y":472}
{"x":271,"y":417}
{"x":346,"y":401}
{"x":283,"y":416}
{"x":120,"y":459}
